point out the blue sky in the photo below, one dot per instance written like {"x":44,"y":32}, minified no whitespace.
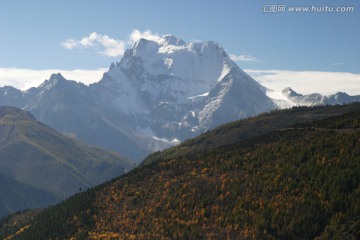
{"x":33,"y":33}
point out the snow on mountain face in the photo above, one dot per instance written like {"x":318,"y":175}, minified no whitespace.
{"x":236,"y":96}
{"x":160,"y":93}
{"x":171,"y":69}
{"x":175,"y":90}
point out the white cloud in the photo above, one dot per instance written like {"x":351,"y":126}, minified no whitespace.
{"x":69,"y":44}
{"x":306,"y":82}
{"x":107,"y":46}
{"x":103,"y":44}
{"x":243,"y":58}
{"x":110,"y":47}
{"x":24,"y":79}
{"x":147,"y":34}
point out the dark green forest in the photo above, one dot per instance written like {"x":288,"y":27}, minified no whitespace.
{"x":296,"y":177}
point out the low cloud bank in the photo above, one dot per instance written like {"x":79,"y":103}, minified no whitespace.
{"x":303,"y":82}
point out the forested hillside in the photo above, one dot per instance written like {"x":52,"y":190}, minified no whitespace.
{"x":294,"y":182}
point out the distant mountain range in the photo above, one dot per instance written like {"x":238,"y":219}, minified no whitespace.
{"x":293,"y":98}
{"x":39,"y":166}
{"x":160,"y":94}
{"x":289,"y":174}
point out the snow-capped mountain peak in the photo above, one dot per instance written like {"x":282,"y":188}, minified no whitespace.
{"x":183,"y":84}
{"x":172,"y":69}
{"x":160,"y":92}
{"x":171,"y":40}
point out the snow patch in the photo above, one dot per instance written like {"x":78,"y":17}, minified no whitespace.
{"x":172,"y":142}
{"x":279,"y":99}
{"x":175,"y":141}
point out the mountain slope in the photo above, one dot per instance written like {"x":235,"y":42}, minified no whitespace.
{"x":159,"y":94}
{"x":15,"y":196}
{"x":179,"y":89}
{"x":254,"y":127}
{"x":34,"y":154}
{"x":293,"y":183}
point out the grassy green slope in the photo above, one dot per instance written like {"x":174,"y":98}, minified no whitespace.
{"x":34,"y":154}
{"x":291,"y":183}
